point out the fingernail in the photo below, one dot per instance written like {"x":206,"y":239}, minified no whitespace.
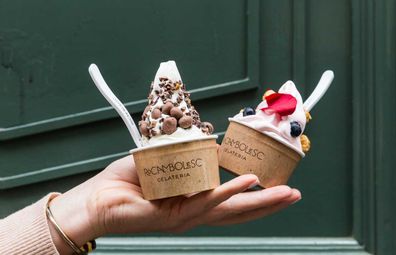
{"x":254,"y":184}
{"x":296,"y":201}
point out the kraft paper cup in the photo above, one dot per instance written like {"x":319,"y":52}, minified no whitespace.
{"x":247,"y":151}
{"x":177,"y":168}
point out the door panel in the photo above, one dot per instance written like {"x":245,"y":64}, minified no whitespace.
{"x":63,"y":97}
{"x":58,"y":130}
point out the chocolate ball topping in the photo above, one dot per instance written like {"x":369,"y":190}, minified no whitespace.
{"x":176,"y":112}
{"x":156,"y":113}
{"x":185,"y":122}
{"x":169,"y":126}
{"x":167,"y":107}
{"x":207,"y":127}
{"x":144,"y":115}
{"x":143,"y":128}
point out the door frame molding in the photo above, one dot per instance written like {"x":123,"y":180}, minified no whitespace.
{"x":227,"y":245}
{"x":374,"y":105}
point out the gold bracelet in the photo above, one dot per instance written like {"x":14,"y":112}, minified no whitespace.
{"x":89,"y":246}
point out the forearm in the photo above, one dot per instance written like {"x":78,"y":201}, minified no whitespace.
{"x":27,"y":231}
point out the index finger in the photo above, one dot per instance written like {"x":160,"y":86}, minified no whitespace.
{"x":202,"y":202}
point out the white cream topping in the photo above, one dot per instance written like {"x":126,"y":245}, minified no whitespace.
{"x":178,"y":136}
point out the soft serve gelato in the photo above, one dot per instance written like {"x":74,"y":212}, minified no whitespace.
{"x":280,"y":115}
{"x":170,"y":116}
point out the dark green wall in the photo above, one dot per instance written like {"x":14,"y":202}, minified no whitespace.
{"x":58,"y":130}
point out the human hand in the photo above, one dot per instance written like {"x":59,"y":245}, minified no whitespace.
{"x":112,"y":202}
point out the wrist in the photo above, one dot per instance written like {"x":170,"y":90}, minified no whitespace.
{"x":71,"y":212}
{"x":60,"y":244}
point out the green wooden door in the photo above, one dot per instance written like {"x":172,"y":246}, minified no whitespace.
{"x":56,"y":130}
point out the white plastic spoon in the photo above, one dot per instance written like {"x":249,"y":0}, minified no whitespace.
{"x":320,"y":90}
{"x":115,"y":102}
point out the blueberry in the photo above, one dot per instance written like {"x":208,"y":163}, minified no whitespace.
{"x":248,"y":111}
{"x":295,"y":129}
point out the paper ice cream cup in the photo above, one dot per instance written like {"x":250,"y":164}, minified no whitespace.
{"x":247,"y":151}
{"x":177,"y":168}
